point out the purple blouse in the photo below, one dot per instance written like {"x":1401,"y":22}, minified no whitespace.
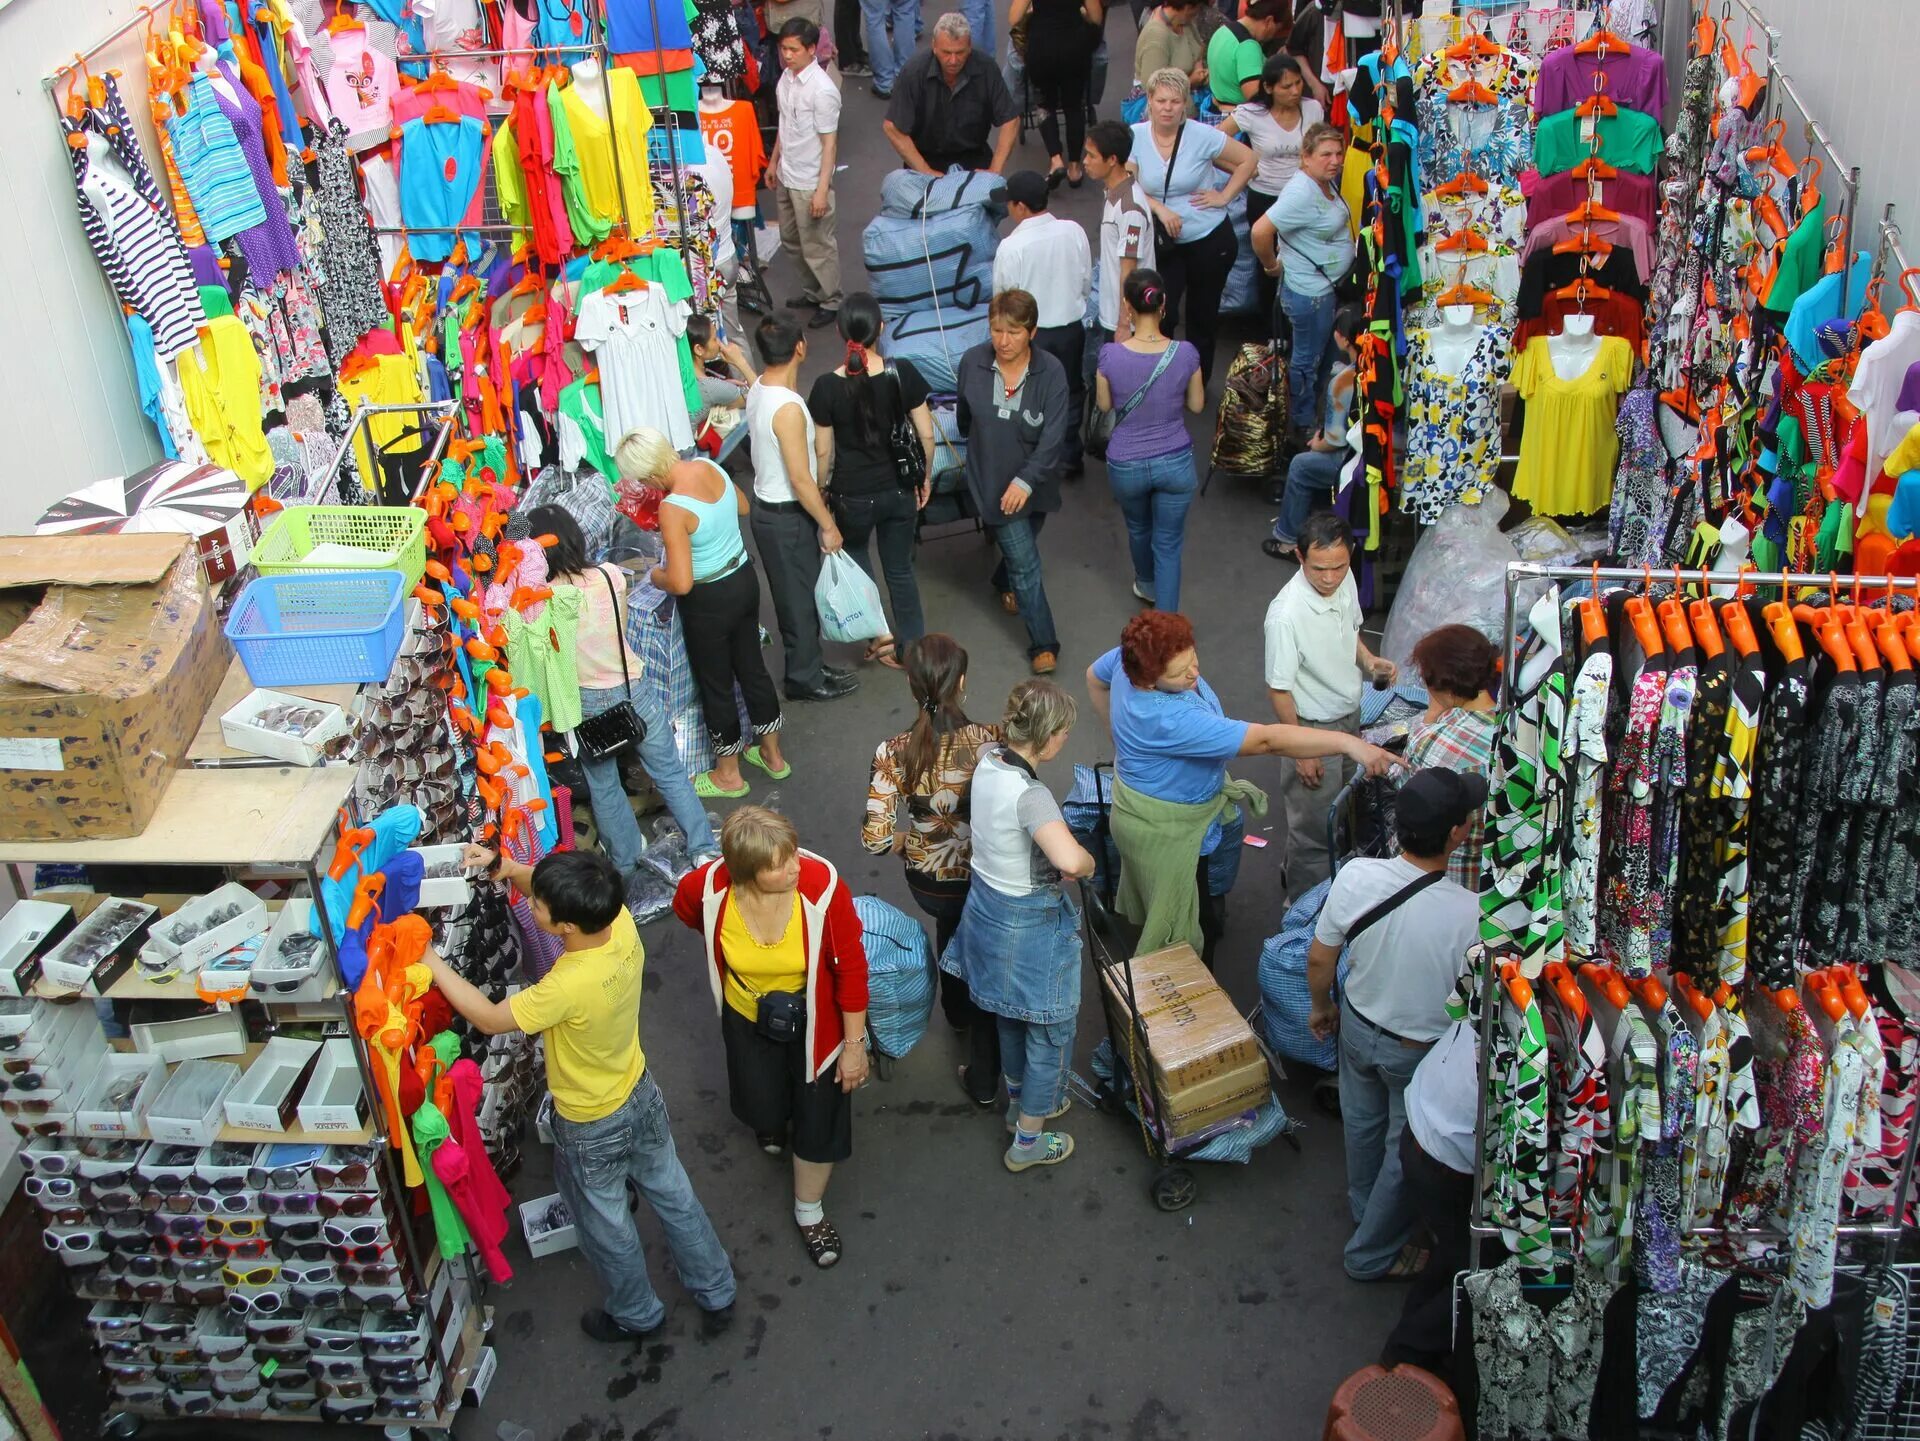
{"x":1158,"y":425}
{"x":269,"y":246}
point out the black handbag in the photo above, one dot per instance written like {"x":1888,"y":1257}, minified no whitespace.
{"x":620,"y":726}
{"x":903,"y":442}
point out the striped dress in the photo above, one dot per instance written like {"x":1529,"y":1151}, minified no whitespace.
{"x":136,"y":245}
{"x":212,"y":166}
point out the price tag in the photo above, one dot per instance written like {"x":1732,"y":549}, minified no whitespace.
{"x":267,"y":1368}
{"x":1589,"y":128}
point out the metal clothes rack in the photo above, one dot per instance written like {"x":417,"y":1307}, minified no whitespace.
{"x":1888,"y":257}
{"x":1518,"y":573}
{"x":1779,"y":83}
{"x":444,"y":411}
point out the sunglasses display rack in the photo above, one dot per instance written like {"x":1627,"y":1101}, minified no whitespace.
{"x":234,"y":1273}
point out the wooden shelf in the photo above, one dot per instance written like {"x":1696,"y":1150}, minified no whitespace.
{"x":210,"y":748}
{"x":277,"y":816}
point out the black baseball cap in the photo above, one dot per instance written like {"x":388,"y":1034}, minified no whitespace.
{"x":1029,"y":188}
{"x":1436,"y":798}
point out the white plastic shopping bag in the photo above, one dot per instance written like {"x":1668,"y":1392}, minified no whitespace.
{"x":848,"y":601}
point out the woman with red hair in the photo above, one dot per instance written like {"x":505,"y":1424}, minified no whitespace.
{"x":1171,"y":743}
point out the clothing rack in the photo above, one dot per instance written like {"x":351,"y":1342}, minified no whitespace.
{"x":444,"y":412}
{"x":1888,"y":257}
{"x":1779,"y":82}
{"x":1519,"y":572}
{"x":80,"y":57}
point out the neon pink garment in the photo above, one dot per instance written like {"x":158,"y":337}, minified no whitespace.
{"x":468,"y":1084}
{"x":455,"y":1169}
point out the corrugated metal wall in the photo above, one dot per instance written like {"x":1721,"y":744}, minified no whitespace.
{"x":1853,"y":63}
{"x":69,"y":405}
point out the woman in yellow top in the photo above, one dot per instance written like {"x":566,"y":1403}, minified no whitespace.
{"x":790,"y":980}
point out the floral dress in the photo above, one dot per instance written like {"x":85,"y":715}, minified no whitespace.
{"x":1453,"y":423}
{"x":1494,"y":141}
{"x":1655,"y":506}
{"x":1773,"y":925}
{"x":1584,"y":752}
{"x":1629,"y":901}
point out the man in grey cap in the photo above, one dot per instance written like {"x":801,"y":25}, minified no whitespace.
{"x":1405,"y":928}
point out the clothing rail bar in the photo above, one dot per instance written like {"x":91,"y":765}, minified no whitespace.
{"x":1519,"y":570}
{"x":1889,"y":249}
{"x":61,"y":72}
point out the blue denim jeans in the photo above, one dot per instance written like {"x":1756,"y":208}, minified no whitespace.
{"x":1154,"y":495}
{"x":1019,"y":572}
{"x":980,"y":19}
{"x":1311,"y":365}
{"x":885,"y":54}
{"x":1311,"y":478}
{"x":619,"y":831}
{"x":592,"y":1162}
{"x":1019,"y":955}
{"x":1036,"y":1057}
{"x":1374,"y":1071}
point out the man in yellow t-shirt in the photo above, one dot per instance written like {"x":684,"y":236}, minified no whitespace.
{"x":610,"y":1121}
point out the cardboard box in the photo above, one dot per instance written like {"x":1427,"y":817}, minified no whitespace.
{"x":269,"y":1094}
{"x":188,"y":1110}
{"x":334,"y":1099}
{"x":159,"y":1029}
{"x":1202,"y":1052}
{"x":1161,"y":979}
{"x":27,"y":932}
{"x":110,"y":653}
{"x":543,"y":1237}
{"x":240,"y":728}
{"x":99,"y":950}
{"x":205,"y":944}
{"x":96,"y":1118}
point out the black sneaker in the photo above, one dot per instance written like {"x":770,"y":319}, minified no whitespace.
{"x":772,"y":1143}
{"x":801,"y":302}
{"x":822,"y":319}
{"x":717,"y":1322}
{"x":602,"y":1327}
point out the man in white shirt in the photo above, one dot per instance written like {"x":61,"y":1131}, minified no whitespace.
{"x":1126,"y":228}
{"x":802,"y":170}
{"x":1049,"y":259}
{"x":791,"y":522}
{"x":1406,"y":929}
{"x":1316,"y":666}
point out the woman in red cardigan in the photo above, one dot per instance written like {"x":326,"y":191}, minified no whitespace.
{"x":790,"y":981}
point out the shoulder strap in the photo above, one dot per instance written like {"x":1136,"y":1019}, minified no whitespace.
{"x":1166,"y":184}
{"x":1393,"y":902}
{"x":1160,"y":369}
{"x":619,"y":635}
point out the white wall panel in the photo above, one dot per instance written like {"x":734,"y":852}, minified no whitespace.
{"x":69,"y":406}
{"x":1854,"y":63}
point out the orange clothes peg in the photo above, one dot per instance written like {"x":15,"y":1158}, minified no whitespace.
{"x":1701,"y":1005}
{"x":1610,"y":982}
{"x":1645,"y":629}
{"x":1786,"y":631}
{"x":1559,"y":976}
{"x":366,"y":899}
{"x":1517,"y":986}
{"x":1673,"y":623}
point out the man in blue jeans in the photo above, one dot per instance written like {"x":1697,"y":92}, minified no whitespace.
{"x":610,"y":1120}
{"x":1406,"y":929}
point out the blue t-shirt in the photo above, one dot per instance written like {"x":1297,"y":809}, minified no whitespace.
{"x":1193,"y":169}
{"x":1171,"y":745}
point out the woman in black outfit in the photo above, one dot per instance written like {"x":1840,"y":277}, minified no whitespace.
{"x":1061,"y":38}
{"x":855,"y":411}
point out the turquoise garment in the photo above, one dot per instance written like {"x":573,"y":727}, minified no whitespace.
{"x":716,"y":542}
{"x":1629,"y":140}
{"x":146,"y":370}
{"x":440,"y":168}
{"x":1819,"y":303}
{"x":212,"y":165}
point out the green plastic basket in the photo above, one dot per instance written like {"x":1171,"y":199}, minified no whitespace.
{"x":348,"y":537}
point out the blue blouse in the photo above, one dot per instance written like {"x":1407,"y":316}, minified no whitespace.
{"x":1193,"y":170}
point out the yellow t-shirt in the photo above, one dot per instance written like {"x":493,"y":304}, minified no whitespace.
{"x":588,"y":1008}
{"x":600,"y":146}
{"x":1569,"y":445}
{"x":754,"y":969}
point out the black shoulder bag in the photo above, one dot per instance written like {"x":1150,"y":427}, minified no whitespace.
{"x":903,"y":441}
{"x":1161,"y":238}
{"x":620,"y":726}
{"x":1393,"y":903}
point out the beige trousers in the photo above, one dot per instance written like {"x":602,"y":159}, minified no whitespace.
{"x":812,"y":242}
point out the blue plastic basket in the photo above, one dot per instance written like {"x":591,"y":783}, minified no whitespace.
{"x":327,"y":629}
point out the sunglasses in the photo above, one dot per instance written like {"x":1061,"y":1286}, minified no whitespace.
{"x":408,"y":1410}
{"x":37,"y":1106}
{"x":17,"y":1077}
{"x":291,"y":1405}
{"x":355,"y":1203}
{"x":52,"y":1188}
{"x":123,"y":1353}
{"x":193,"y":1404}
{"x":392,"y":1342}
{"x":337,"y":1371}
{"x":110,"y":1318}
{"x":230,"y":1205}
{"x":178,"y":1226}
{"x":256,"y":1303}
{"x":129,"y":1375}
{"x":72,"y":1242}
{"x":244,"y":1393}
{"x":275,"y":1333}
{"x":351,"y":1412}
{"x":43,"y":1129}
{"x":227,"y":1185}
{"x":65,"y":1215}
{"x":117,"y":1203}
{"x":290,"y":1203}
{"x":367,"y":1233}
{"x":138,"y":1264}
{"x":370,"y":1275}
{"x":309,"y":1275}
{"x":235,"y":1229}
{"x":252,"y":1275}
{"x":323,"y":1294}
{"x":349,"y":1177}
{"x":278,"y":1178}
{"x":245,"y":1250}
{"x":303,"y":1250}
{"x":161,"y":1329}
{"x":361,"y":1255}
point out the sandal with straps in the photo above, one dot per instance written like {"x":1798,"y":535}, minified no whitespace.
{"x":822,"y":1243}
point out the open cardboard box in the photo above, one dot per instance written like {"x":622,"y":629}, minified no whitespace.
{"x":110,"y":653}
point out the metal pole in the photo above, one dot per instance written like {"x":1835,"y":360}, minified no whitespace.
{"x":673,"y":141}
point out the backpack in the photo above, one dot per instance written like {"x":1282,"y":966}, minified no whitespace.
{"x":1253,"y":413}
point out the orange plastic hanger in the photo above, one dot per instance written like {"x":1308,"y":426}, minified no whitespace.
{"x":1468,"y":240}
{"x":625,"y":281}
{"x":1474,"y":45}
{"x":1672,"y":613}
{"x":1585,"y":243}
{"x":1651,"y":991}
{"x":1886,"y":635}
{"x":1826,"y":629}
{"x":1518,"y":989}
{"x":1589,"y":211}
{"x":1582,"y":291}
{"x":343,"y":21}
{"x":1603,"y":40}
{"x":1461,"y":293}
{"x":442,"y":115}
{"x":1472,"y":92}
{"x":1822,"y":991}
{"x":1706,"y":629}
{"x":1704,"y":34}
{"x":1906,"y":288}
{"x":1606,"y":979}
{"x":1698,"y":1002}
{"x":1593,"y":616}
{"x":1463,"y":183}
{"x":1559,"y":977}
{"x":1645,"y":628}
{"x":1598,"y":103}
{"x":1594,"y":168}
{"x":1786,"y":631}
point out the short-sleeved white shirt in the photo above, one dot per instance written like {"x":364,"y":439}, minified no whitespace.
{"x":1312,"y":643}
{"x":1126,"y":233}
{"x":809,"y":108}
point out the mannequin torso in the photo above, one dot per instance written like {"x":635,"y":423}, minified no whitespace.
{"x":1575,"y":348}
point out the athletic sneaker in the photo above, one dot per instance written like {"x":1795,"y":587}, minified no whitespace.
{"x":1013,"y":1114}
{"x":856,"y":67}
{"x":1050,"y":1149}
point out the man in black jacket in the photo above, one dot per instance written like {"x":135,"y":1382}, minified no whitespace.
{"x":1014,"y":408}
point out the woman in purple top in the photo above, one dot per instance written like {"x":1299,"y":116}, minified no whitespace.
{"x":1150,"y":379}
